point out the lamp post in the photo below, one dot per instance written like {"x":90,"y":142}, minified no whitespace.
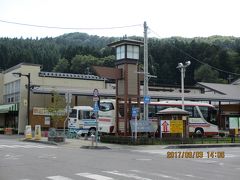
{"x":182,"y":68}
{"x":28,"y":95}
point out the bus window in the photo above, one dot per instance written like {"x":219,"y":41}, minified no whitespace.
{"x":151,"y":111}
{"x":106,"y":106}
{"x":195,"y":113}
{"x":212,"y":115}
{"x":79,"y":114}
{"x":190,"y":110}
{"x":204,"y":111}
{"x":73,"y":114}
{"x":86,"y":114}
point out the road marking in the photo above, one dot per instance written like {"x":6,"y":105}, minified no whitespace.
{"x":143,"y":159}
{"x":134,"y":176}
{"x":12,"y":156}
{"x":26,"y":146}
{"x":94,"y":176}
{"x":156,"y":174}
{"x":58,"y":178}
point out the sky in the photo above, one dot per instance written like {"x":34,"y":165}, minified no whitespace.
{"x":164,"y":18}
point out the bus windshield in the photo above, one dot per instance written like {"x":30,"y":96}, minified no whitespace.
{"x":106,"y":106}
{"x":73,"y":114}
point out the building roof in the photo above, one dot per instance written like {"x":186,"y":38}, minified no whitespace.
{"x":152,"y":94}
{"x":224,"y":89}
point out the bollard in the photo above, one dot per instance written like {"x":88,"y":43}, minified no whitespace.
{"x":85,"y":137}
{"x":93,"y":139}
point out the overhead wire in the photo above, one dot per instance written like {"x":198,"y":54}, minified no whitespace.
{"x":69,"y":28}
{"x":190,"y":56}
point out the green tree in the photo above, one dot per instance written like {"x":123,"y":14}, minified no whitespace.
{"x":205,"y":74}
{"x":56,"y":108}
{"x":62,"y":66}
{"x":81,"y":63}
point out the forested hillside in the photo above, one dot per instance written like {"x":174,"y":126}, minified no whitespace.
{"x":212,"y":59}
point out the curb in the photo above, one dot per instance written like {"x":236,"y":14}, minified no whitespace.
{"x":201,"y":146}
{"x":41,"y":142}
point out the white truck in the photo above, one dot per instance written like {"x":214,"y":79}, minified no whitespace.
{"x":82,"y":120}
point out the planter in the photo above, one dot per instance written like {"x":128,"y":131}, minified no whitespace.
{"x":57,"y":139}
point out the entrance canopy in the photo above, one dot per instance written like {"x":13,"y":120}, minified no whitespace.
{"x":8,"y":107}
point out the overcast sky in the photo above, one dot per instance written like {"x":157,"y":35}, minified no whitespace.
{"x":165,"y":18}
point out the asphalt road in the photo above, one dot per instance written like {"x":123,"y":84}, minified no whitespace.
{"x":31,"y":161}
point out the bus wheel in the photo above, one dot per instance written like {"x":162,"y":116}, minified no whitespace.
{"x":199,"y":132}
{"x":92,"y":131}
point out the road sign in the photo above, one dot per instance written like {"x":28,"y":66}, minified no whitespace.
{"x":95,"y":98}
{"x":68,"y":97}
{"x":95,"y":95}
{"x":95,"y":107}
{"x":147,"y":99}
{"x":95,"y":92}
{"x":134,"y":112}
{"x":165,"y":126}
{"x":142,"y":126}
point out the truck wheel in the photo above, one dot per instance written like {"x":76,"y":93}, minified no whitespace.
{"x":199,"y":132}
{"x":92,"y":131}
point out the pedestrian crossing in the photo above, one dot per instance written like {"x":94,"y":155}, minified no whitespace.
{"x":25,"y":146}
{"x":117,"y":175}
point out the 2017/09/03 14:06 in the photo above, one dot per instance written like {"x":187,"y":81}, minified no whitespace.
{"x":195,"y":154}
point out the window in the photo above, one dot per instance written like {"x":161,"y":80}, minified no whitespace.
{"x":86,"y":115}
{"x":12,"y":92}
{"x":120,"y":52}
{"x":73,"y":114}
{"x":105,"y":106}
{"x":132,"y":52}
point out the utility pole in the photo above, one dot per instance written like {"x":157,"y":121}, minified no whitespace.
{"x":145,"y":87}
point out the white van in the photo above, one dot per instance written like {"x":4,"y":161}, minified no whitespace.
{"x":82,"y":120}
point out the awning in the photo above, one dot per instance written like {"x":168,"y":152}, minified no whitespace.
{"x":8,"y":107}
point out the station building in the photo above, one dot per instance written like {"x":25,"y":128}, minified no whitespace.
{"x":17,"y":80}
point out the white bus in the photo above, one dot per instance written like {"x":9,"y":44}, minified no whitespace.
{"x":82,"y":120}
{"x":202,"y":118}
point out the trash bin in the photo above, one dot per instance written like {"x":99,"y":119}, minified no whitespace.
{"x":8,"y":131}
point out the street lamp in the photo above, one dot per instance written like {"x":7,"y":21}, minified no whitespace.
{"x":182,"y":68}
{"x":28,"y":95}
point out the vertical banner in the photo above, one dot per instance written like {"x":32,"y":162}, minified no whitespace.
{"x":28,"y":132}
{"x":38,"y":132}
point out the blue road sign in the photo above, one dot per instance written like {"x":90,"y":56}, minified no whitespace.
{"x":134,"y":112}
{"x":95,"y":108}
{"x":147,"y":99}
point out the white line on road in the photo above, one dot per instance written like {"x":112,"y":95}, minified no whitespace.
{"x":156,"y":174}
{"x":143,"y":159}
{"x":58,"y":178}
{"x":94,"y":176}
{"x":134,"y":176}
{"x":26,"y":146}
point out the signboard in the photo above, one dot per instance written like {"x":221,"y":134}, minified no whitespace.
{"x":95,"y":95}
{"x":44,"y":112}
{"x":134,"y":112}
{"x":95,"y":107}
{"x":68,"y":97}
{"x":28,"y":132}
{"x":37,"y":132}
{"x":165,"y":126}
{"x":47,"y":120}
{"x":176,"y":126}
{"x":142,"y":126}
{"x":147,"y":99}
{"x":234,"y":122}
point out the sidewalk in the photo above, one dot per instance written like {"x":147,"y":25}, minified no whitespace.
{"x":87,"y":144}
